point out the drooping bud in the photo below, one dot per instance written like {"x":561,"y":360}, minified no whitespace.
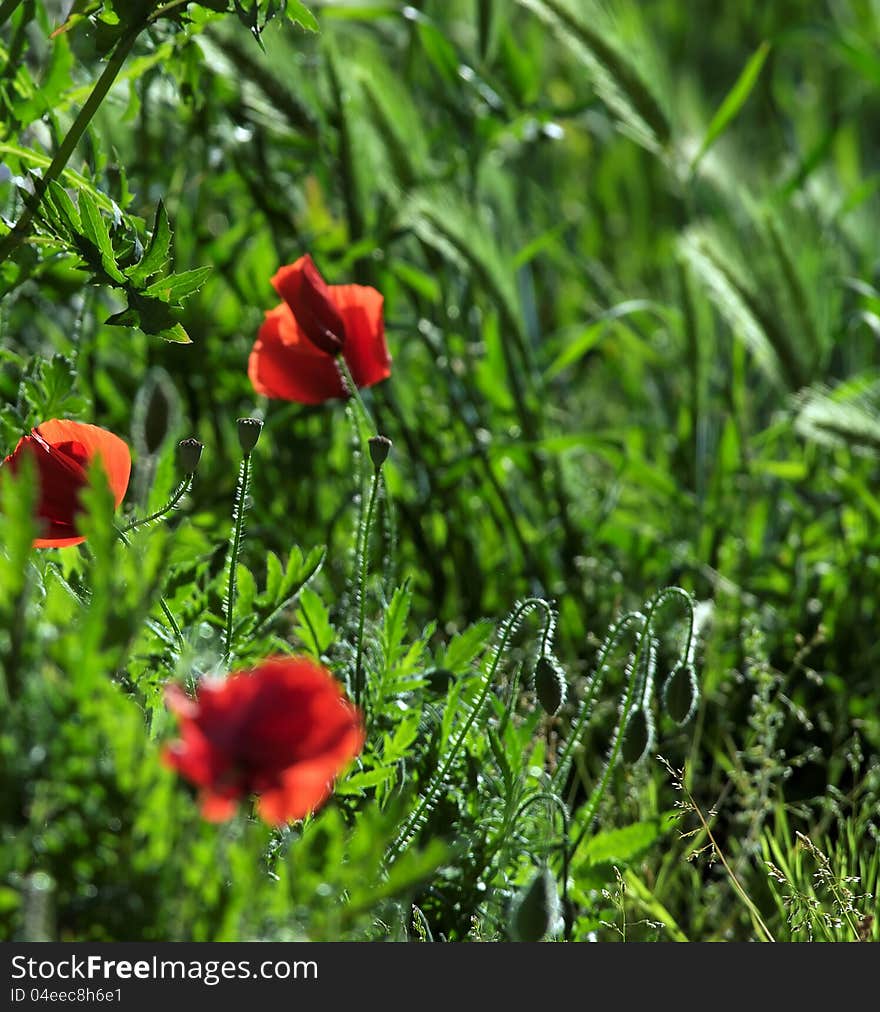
{"x":439,"y":680}
{"x":380,"y":447}
{"x":681,"y":693}
{"x":550,"y":684}
{"x":189,"y":454}
{"x":249,"y":430}
{"x":535,"y":910}
{"x":639,"y":734}
{"x":156,"y":411}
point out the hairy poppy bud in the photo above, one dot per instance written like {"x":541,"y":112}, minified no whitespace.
{"x":550,"y":685}
{"x":190,"y":453}
{"x":156,"y":412}
{"x":639,"y":735}
{"x":536,"y":909}
{"x":380,"y":447}
{"x":681,"y":693}
{"x":439,"y":679}
{"x":249,"y":430}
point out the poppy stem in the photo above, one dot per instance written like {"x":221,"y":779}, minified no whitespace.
{"x":179,"y":493}
{"x":238,"y":515}
{"x":352,"y":388}
{"x":363,"y":565}
{"x":163,"y":604}
{"x":98,"y":93}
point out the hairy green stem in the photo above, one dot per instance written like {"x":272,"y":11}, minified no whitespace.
{"x":363,"y":566}
{"x":586,"y":709}
{"x":633,"y":687}
{"x":544,"y":648}
{"x":561,"y":807}
{"x":163,"y":604}
{"x":352,"y":388}
{"x":179,"y":493}
{"x":238,"y":515}
{"x":72,"y":138}
{"x":629,"y":695}
{"x":509,"y":627}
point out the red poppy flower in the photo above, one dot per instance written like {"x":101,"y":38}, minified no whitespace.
{"x":294,"y":355}
{"x":63,"y":451}
{"x":283,"y":731}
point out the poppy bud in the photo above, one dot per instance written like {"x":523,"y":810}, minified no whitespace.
{"x":439,"y":680}
{"x":680,"y":693}
{"x":155,"y":412}
{"x":536,"y":909}
{"x":380,"y":447}
{"x":550,"y":684}
{"x":249,"y":430}
{"x":639,"y":735}
{"x":190,"y":452}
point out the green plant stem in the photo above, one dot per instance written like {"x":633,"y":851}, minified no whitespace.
{"x":352,"y":388}
{"x":634,"y":687}
{"x":72,"y":138}
{"x":512,"y":623}
{"x":179,"y":493}
{"x":595,"y":684}
{"x":163,"y":604}
{"x":160,"y":12}
{"x":238,"y":514}
{"x":626,"y":708}
{"x":7,"y":9}
{"x":734,"y":881}
{"x":560,"y":806}
{"x":363,"y":566}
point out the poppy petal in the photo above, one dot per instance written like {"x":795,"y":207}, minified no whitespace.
{"x":284,"y":364}
{"x":217,"y":808}
{"x":283,"y":732}
{"x":111,"y":450}
{"x":366,"y":350}
{"x":310,"y":299}
{"x":304,"y":788}
{"x":55,"y":538}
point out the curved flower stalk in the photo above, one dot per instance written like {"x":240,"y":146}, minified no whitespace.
{"x":554,"y":801}
{"x":635,"y":697}
{"x":473,"y":711}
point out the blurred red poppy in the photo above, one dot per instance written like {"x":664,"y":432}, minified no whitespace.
{"x":63,"y":451}
{"x":293,"y":358}
{"x":283,"y":731}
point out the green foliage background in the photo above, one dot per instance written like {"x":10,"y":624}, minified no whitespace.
{"x":630,"y":262}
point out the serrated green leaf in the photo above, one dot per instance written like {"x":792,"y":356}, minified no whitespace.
{"x":94,"y":228}
{"x":246,"y":589}
{"x":66,"y":212}
{"x":127,"y":318}
{"x":274,"y":576}
{"x":177,"y":287}
{"x":313,"y":623}
{"x":156,"y":256}
{"x":358,"y":782}
{"x":621,"y":845}
{"x":299,"y":14}
{"x":175,"y":335}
